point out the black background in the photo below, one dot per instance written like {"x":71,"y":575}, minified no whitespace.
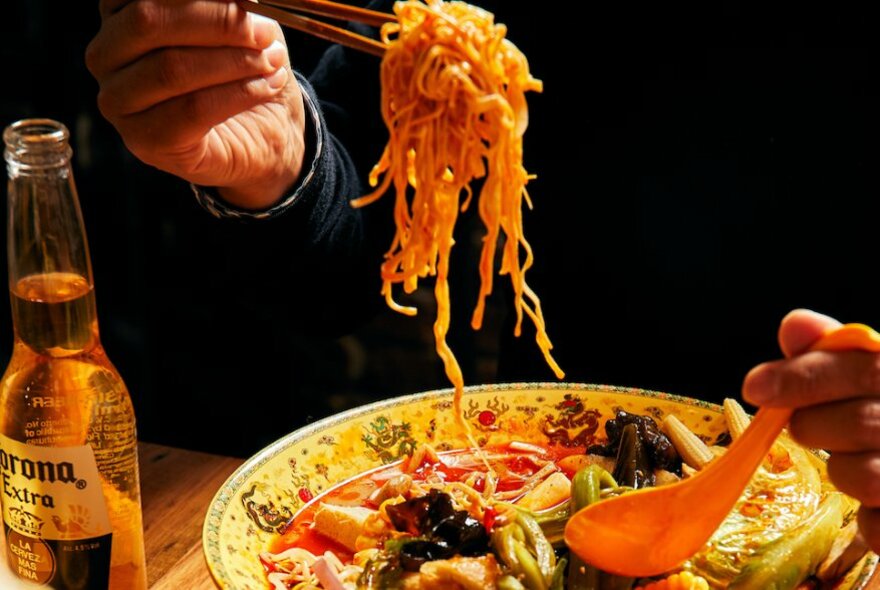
{"x":701,"y":171}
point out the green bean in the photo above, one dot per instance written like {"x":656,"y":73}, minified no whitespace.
{"x":590,"y":485}
{"x":606,"y":480}
{"x":584,"y":488}
{"x":529,"y":570}
{"x":584,"y":491}
{"x":557,"y":582}
{"x":522,"y":547}
{"x":539,"y":544}
{"x":502,"y":541}
{"x":587,"y":487}
{"x":552,"y":523}
{"x":524,"y":544}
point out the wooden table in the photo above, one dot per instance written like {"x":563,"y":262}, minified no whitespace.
{"x":177,"y":487}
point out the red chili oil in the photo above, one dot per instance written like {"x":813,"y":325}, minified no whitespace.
{"x":453,"y":466}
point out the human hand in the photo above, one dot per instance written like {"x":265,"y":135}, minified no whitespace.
{"x":203,"y":90}
{"x":836,"y":397}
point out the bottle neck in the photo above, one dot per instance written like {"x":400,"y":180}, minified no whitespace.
{"x":50,"y":275}
{"x":35,"y":145}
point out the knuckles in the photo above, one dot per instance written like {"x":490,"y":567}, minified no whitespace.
{"x":230,"y":20}
{"x":865,"y":427}
{"x":802,"y":375}
{"x":93,"y":57}
{"x":191,"y":107}
{"x":870,"y":376}
{"x":145,"y":18}
{"x":810,"y":379}
{"x":847,"y":426}
{"x":172,"y":70}
{"x":108,"y":104}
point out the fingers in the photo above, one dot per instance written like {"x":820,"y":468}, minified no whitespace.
{"x":848,"y":426}
{"x":142,"y":26}
{"x":801,"y":328}
{"x":869,"y":524}
{"x":858,"y":475}
{"x":836,"y":396}
{"x":776,"y":383}
{"x":203,"y":90}
{"x":149,"y":135}
{"x":813,"y":378}
{"x":169,"y":73}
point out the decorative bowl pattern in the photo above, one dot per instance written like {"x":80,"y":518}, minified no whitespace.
{"x":266,"y":491}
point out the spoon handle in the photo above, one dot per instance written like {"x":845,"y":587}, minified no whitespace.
{"x":748,"y":452}
{"x":849,"y":337}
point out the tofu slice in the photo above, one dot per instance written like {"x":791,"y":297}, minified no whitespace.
{"x":548,"y":493}
{"x":343,"y":524}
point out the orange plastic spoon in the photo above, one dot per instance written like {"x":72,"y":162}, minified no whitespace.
{"x":650,"y":531}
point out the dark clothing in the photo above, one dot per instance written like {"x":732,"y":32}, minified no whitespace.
{"x":701,"y":171}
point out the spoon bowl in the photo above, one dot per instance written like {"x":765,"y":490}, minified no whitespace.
{"x":650,"y":531}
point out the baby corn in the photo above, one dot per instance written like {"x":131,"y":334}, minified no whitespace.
{"x":736,"y":417}
{"x":692,"y":449}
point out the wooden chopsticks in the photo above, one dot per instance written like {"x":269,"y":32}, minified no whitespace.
{"x":284,"y":11}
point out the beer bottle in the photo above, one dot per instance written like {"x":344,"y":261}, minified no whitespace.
{"x":68,"y":449}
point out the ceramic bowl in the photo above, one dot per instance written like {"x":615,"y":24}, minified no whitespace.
{"x":267,"y":490}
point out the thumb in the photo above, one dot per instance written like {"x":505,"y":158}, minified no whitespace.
{"x":801,"y":328}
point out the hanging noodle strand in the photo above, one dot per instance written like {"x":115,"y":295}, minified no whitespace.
{"x":453,"y":99}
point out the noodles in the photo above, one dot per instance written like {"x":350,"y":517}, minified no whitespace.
{"x":453,"y":99}
{"x":295,"y":568}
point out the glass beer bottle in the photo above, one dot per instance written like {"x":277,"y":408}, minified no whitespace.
{"x":68,"y":448}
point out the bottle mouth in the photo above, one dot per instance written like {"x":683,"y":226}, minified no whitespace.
{"x":36,"y":143}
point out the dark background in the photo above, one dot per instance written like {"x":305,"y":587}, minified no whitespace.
{"x":702,"y":170}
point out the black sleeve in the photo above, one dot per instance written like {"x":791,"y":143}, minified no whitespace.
{"x":341,"y":248}
{"x":319,"y":254}
{"x":316,"y":265}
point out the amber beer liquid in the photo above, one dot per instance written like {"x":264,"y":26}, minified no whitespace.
{"x":68,"y":457}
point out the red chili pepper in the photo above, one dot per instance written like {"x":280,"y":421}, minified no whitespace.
{"x":305,"y":494}
{"x":489,"y":517}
